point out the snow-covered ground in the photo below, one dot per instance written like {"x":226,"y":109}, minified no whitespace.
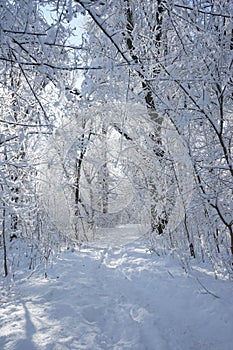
{"x":118,"y":298}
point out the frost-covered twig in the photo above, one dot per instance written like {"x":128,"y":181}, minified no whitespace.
{"x":207,"y":291}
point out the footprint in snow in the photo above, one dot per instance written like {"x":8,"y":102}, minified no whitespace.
{"x":93,"y":314}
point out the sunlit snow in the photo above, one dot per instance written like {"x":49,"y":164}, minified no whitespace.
{"x":98,"y":298}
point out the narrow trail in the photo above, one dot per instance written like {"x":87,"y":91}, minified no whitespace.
{"x":118,"y":299}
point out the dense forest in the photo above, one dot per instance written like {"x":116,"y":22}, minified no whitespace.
{"x":116,"y":113}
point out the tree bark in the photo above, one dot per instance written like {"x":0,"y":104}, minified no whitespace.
{"x":158,"y":224}
{"x":4,"y":241}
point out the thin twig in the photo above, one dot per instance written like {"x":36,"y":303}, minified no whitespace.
{"x":207,"y":291}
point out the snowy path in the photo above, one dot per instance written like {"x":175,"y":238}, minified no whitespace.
{"x":119,"y":298}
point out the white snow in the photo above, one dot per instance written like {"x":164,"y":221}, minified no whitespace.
{"x":118,"y":298}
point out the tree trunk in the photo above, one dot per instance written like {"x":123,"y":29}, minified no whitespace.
{"x":158,"y":224}
{"x":77,"y":186}
{"x":105,"y":175}
{"x":79,"y":164}
{"x":4,"y":241}
{"x":231,"y":234}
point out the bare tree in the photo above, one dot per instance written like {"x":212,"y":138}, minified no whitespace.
{"x":176,"y":59}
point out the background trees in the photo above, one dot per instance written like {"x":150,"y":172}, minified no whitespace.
{"x":155,"y":112}
{"x":176,"y":59}
{"x":32,"y":59}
